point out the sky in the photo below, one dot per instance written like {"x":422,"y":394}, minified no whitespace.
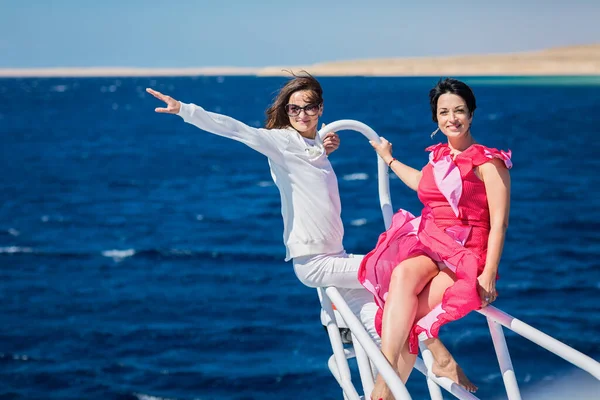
{"x":258,"y":33}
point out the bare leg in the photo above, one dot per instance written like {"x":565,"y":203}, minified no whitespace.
{"x":407,"y":281}
{"x":444,"y":364}
{"x":408,"y":363}
{"x":429,"y":297}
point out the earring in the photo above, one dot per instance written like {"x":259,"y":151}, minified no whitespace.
{"x":434,"y":132}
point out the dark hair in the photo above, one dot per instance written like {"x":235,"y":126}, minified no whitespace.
{"x":454,"y":86}
{"x":277,"y":118}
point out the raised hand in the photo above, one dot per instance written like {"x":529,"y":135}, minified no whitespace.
{"x":173,"y":106}
{"x":384,"y":149}
{"x":331,"y":142}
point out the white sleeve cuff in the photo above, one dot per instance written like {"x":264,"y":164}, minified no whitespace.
{"x":186,"y":110}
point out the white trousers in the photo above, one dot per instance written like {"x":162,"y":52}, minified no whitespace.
{"x":341,"y":271}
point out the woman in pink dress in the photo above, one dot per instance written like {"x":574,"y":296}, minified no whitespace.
{"x":429,"y":270}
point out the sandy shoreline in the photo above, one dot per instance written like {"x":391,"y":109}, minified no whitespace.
{"x":563,"y":61}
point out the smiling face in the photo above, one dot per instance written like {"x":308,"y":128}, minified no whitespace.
{"x":303,"y":122}
{"x":453,"y":115}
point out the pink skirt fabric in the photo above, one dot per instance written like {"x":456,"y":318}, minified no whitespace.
{"x":408,"y":237}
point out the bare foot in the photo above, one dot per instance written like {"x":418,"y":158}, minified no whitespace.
{"x":454,"y":372}
{"x":381,"y":390}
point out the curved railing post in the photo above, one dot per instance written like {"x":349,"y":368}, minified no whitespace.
{"x":385,"y":200}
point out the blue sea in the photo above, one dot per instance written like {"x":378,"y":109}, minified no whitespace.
{"x":142,"y":258}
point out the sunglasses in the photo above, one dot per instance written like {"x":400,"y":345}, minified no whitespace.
{"x":311,"y":109}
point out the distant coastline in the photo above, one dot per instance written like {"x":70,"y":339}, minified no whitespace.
{"x":581,"y":60}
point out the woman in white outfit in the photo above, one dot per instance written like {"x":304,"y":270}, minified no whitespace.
{"x":310,"y":200}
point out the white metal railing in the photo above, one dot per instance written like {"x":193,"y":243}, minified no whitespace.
{"x":538,"y":337}
{"x":367,"y":352}
{"x":385,"y":200}
{"x":364,"y":342}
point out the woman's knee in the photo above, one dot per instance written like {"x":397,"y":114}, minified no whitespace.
{"x":403,"y":277}
{"x":307,"y":277}
{"x":433,"y":292}
{"x":413,"y":273}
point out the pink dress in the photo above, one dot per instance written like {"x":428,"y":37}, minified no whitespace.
{"x":452,"y":230}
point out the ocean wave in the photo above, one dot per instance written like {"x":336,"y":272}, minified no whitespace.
{"x":141,"y":396}
{"x":118,"y":255}
{"x":359,"y":176}
{"x":15,"y":357}
{"x":152,"y":254}
{"x":59,"y":88}
{"x":204,"y":254}
{"x":53,"y":218}
{"x":15,"y":250}
{"x":265,"y":184}
{"x":489,"y":378}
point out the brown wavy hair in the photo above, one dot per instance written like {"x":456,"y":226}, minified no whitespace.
{"x":277,"y":118}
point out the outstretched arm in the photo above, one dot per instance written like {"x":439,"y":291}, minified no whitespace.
{"x":496,"y":178}
{"x":410,"y":176}
{"x":268,"y":142}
